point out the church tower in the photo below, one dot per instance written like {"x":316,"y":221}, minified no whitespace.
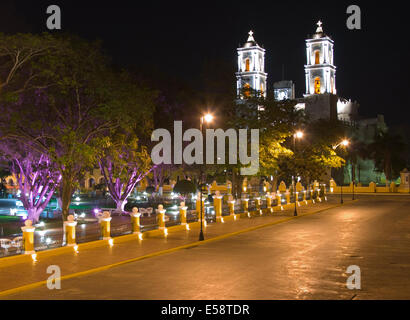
{"x":251,"y":69}
{"x":320,"y":71}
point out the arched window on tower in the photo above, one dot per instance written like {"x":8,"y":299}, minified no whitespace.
{"x":247,"y":65}
{"x":247,"y":90}
{"x":317,"y":57}
{"x":317,"y":85}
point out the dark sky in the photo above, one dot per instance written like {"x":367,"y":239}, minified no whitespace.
{"x":177,"y":37}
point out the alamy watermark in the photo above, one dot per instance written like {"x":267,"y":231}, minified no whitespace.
{"x":193,"y":153}
{"x":355,"y":280}
{"x":54,"y":20}
{"x":354,"y":21}
{"x":54,"y":281}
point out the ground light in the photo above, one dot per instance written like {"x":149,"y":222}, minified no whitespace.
{"x":208,"y":119}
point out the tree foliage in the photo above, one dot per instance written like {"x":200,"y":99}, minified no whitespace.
{"x":82,"y":99}
{"x":185,"y":187}
{"x":388,"y":152}
{"x":123,"y":163}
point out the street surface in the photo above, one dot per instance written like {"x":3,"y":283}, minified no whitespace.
{"x":304,"y":258}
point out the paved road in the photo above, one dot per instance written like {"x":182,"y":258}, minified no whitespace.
{"x":304,"y":258}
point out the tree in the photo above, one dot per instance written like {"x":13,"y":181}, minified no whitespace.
{"x":25,"y":60}
{"x":36,"y":175}
{"x":184,"y":187}
{"x":313,"y":154}
{"x":162,"y":172}
{"x":123,"y":164}
{"x":4,"y":173}
{"x":277,"y":121}
{"x":65,"y":120}
{"x":388,"y":152}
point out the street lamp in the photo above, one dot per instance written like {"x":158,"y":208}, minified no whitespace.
{"x":205,"y":118}
{"x":344,"y":143}
{"x":297,"y":135}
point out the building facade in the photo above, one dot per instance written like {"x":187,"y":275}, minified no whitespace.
{"x":284,"y":90}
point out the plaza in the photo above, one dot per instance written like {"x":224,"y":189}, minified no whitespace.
{"x":203,"y":152}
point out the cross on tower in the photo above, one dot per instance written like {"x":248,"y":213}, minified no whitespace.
{"x":250,"y":38}
{"x":319,"y":27}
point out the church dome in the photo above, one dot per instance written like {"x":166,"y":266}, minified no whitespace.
{"x":250,"y":44}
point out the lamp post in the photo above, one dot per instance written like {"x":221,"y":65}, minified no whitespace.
{"x":341,"y":189}
{"x":344,"y":143}
{"x":353,"y":179}
{"x":205,"y":118}
{"x":299,"y":135}
{"x":353,"y":190}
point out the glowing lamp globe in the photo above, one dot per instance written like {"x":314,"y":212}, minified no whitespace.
{"x":208,"y":117}
{"x":299,"y":134}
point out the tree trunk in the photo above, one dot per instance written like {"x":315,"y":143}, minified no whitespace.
{"x":275,"y":183}
{"x":233,"y":191}
{"x":120,"y":205}
{"x":66,"y":195}
{"x":59,"y":202}
{"x":33,"y":215}
{"x":239,"y":184}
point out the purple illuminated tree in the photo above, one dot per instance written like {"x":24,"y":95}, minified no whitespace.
{"x":82,"y":100}
{"x":123,"y":163}
{"x":37,"y":182}
{"x":36,"y":175}
{"x":162,"y":171}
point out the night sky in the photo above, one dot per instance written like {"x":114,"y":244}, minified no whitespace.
{"x":177,"y":37}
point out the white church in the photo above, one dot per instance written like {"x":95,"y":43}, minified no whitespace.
{"x":320,"y":99}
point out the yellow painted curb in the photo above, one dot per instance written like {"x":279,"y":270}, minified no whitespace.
{"x":23,"y":258}
{"x":196,"y":243}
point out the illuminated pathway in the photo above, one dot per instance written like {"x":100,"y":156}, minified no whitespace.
{"x":299,"y":259}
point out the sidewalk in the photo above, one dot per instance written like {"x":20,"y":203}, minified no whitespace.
{"x":103,"y":257}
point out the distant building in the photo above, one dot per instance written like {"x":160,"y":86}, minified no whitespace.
{"x":284,"y":90}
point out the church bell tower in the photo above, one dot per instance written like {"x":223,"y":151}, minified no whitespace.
{"x":251,"y":74}
{"x":320,"y":71}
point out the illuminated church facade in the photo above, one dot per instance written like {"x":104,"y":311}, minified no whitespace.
{"x":320,"y":100}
